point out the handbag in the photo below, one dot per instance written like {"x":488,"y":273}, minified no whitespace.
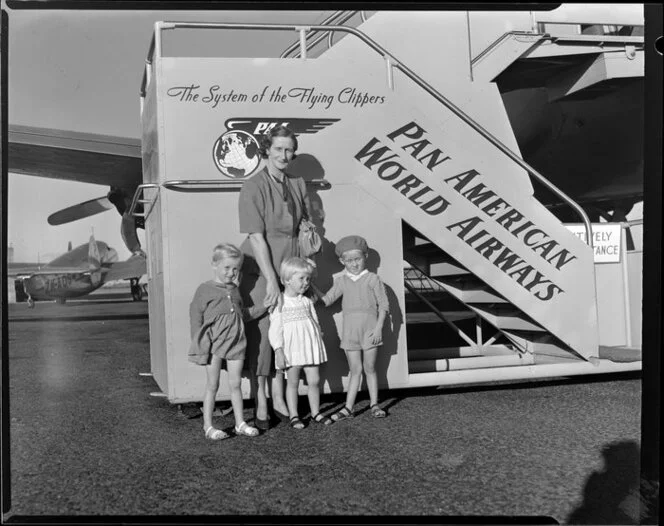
{"x":308,"y":239}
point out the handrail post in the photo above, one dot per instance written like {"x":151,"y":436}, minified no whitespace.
{"x":157,"y":40}
{"x":390,"y":73}
{"x":470,"y":46}
{"x":303,"y":41}
{"x":626,"y":288}
{"x":328,"y":21}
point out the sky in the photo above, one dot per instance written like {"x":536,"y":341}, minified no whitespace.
{"x":81,"y":71}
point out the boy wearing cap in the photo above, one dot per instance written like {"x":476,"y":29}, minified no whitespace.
{"x":364,"y":307}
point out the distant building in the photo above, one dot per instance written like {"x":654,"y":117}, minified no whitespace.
{"x":10,"y":253}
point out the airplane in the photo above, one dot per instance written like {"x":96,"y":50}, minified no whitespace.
{"x":79,"y":272}
{"x":588,"y":144}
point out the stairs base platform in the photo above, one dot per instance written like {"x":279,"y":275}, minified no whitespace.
{"x":518,"y":373}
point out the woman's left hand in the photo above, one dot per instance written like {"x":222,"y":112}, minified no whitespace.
{"x":278,"y":305}
{"x":272,"y":294}
{"x":374,"y":336}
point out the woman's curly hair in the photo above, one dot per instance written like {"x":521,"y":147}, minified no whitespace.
{"x":278,"y":131}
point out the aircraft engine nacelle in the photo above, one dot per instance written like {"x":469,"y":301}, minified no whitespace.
{"x":110,"y":255}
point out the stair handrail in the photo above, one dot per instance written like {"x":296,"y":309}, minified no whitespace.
{"x":575,"y":22}
{"x":391,"y":61}
{"x":541,"y":34}
{"x":343,"y":17}
{"x":330,"y":34}
{"x":183,"y":184}
{"x":502,"y":37}
{"x":137,"y":199}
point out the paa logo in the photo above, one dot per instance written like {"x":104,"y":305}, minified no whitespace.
{"x":235,"y":152}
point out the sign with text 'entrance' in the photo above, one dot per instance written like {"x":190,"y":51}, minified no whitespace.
{"x":606,"y":240}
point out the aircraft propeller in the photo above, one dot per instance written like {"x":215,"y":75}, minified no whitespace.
{"x":80,"y":211}
{"x":118,"y":198}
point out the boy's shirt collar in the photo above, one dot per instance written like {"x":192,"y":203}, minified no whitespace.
{"x":354,"y":277}
{"x":223,"y":285}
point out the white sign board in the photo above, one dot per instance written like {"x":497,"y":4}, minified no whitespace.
{"x":606,"y":240}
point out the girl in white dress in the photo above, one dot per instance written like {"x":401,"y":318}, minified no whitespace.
{"x":296,"y":338}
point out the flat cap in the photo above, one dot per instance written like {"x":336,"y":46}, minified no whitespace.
{"x":351,"y":243}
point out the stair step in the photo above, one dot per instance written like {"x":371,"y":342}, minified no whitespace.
{"x":505,"y":316}
{"x":541,"y":344}
{"x":441,"y":353}
{"x":425,"y":249}
{"x":430,"y":317}
{"x":443,"y":303}
{"x":466,"y":351}
{"x":473,"y":362}
{"x":470,"y":289}
{"x":429,"y":251}
{"x":447,"y":268}
{"x":431,"y":295}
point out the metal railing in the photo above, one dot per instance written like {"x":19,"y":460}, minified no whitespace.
{"x":391,"y":62}
{"x":418,"y":282}
{"x":193,"y":185}
{"x":541,"y":34}
{"x":190,"y":184}
{"x":137,"y":199}
{"x":302,"y":53}
{"x":535,"y":36}
{"x":613,"y":33}
{"x":340,"y":17}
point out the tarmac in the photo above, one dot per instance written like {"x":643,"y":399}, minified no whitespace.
{"x":89,"y":440}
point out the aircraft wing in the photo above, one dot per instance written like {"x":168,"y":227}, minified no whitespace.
{"x":84,"y":157}
{"x":134,"y":267}
{"x":47,"y":271}
{"x":22,"y":269}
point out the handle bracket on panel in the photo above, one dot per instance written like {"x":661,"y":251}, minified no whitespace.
{"x":208,"y":185}
{"x":140,"y":198}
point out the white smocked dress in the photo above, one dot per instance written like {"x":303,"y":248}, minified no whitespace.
{"x":297,"y":331}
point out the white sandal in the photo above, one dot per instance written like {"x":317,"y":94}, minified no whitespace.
{"x":212,"y":433}
{"x":246,"y":430}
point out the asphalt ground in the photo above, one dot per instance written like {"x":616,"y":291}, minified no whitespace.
{"x":87,"y":439}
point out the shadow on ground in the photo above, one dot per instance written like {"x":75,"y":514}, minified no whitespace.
{"x":612,"y":495}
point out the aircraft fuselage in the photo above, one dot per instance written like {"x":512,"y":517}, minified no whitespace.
{"x":61,"y":285}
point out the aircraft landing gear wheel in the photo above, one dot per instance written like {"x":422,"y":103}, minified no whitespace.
{"x":31,"y":303}
{"x":136,"y":291}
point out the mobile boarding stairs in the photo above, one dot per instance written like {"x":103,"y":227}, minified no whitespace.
{"x":488,"y":285}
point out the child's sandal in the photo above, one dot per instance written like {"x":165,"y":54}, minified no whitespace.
{"x":377,"y":412}
{"x":321,"y":419}
{"x":296,"y":423}
{"x":342,"y":414}
{"x":212,"y":433}
{"x":246,"y":430}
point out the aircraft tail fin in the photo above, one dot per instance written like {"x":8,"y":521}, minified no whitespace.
{"x":94,"y":258}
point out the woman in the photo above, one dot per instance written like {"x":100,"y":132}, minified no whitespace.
{"x":271,"y":206}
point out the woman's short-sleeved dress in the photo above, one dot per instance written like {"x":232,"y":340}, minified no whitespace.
{"x":295,"y":328}
{"x":262,"y":208}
